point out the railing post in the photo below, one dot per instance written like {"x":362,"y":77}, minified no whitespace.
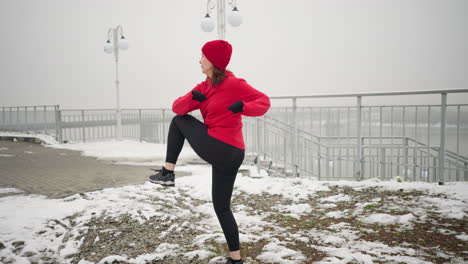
{"x":164,"y":125}
{"x":398,"y":159}
{"x":35,"y":119}
{"x":254,"y":140}
{"x":83,"y":132}
{"x":320,"y":121}
{"x":3,"y":117}
{"x":382,"y":163}
{"x":276,"y":152}
{"x":140,"y":125}
{"x":458,"y":144}
{"x":443,"y":111}
{"x":415,"y":160}
{"x":361,"y":164}
{"x":466,"y":171}
{"x":319,"y":169}
{"x":416,"y":144}
{"x":294,"y":123}
{"x":61,"y":126}
{"x":406,"y":158}
{"x":358,"y":159}
{"x":339,"y":143}
{"x":26,"y":123}
{"x":285,"y":151}
{"x":258,"y":140}
{"x":327,"y":162}
{"x":58,"y":124}
{"x":10,"y":117}
{"x":265,"y":137}
{"x":45,"y":120}
{"x":18,"y":127}
{"x":434,"y":169}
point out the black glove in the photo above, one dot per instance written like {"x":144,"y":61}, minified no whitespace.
{"x":196,"y":95}
{"x":236,"y":107}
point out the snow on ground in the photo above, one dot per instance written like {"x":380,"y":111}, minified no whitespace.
{"x":48,"y":139}
{"x":281,"y":220}
{"x":275,"y":253}
{"x":10,"y":190}
{"x":127,"y":151}
{"x":386,"y":219}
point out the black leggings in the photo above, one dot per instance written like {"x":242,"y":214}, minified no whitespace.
{"x":225,"y":160}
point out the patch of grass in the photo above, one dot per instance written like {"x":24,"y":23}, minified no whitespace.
{"x":218,"y":250}
{"x":373,"y":206}
{"x":129,"y":237}
{"x":253,"y":249}
{"x":311,"y":253}
{"x":248,"y":250}
{"x":288,"y":218}
{"x":422,"y":237}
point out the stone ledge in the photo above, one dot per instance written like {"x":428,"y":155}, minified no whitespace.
{"x":23,"y":139}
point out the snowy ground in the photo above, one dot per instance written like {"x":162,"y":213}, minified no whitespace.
{"x":280,"y":220}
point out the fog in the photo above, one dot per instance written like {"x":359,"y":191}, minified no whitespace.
{"x":52,"y":50}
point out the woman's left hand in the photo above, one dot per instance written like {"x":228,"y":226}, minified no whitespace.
{"x":236,"y":107}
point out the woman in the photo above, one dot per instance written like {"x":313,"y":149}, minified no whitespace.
{"x":222,"y":98}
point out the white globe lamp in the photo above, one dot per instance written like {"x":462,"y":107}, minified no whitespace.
{"x":234,"y":18}
{"x":207,"y":23}
{"x":108,"y":48}
{"x":123,"y":43}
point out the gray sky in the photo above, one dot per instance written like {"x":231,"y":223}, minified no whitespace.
{"x":52,"y":50}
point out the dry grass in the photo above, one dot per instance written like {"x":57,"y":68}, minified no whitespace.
{"x":428,"y":238}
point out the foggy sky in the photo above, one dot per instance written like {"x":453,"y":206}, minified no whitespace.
{"x":52,"y":50}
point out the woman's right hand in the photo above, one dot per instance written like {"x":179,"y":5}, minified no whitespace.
{"x":196,"y":95}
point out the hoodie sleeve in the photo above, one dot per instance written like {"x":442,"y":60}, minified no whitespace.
{"x":255,"y":102}
{"x":185,"y":104}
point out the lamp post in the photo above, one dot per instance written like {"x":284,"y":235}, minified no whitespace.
{"x":113,"y":47}
{"x":234,"y":17}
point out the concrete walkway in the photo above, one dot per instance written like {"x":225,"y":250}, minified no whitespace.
{"x":59,"y":173}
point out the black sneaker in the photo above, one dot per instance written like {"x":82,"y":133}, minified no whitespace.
{"x":231,"y":261}
{"x":166,"y":180}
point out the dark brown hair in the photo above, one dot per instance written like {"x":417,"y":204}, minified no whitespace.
{"x":218,"y":76}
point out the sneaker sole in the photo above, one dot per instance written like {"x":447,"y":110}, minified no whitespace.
{"x":163,"y":183}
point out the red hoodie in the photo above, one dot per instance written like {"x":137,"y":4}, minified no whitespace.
{"x":223,"y":124}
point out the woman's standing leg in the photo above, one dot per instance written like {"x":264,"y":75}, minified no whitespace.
{"x":222,"y":187}
{"x":223,"y":178}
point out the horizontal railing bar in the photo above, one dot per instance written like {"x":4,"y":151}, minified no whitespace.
{"x":74,"y":110}
{"x":367,"y":106}
{"x":369,"y":94}
{"x":28,"y":106}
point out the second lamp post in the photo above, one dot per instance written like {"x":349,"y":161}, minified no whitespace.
{"x":113,"y":47}
{"x":234,"y":17}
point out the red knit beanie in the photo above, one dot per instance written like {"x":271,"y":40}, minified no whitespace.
{"x":218,"y":52}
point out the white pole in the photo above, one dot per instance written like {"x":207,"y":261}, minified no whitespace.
{"x":443,"y":111}
{"x":294,"y":135}
{"x":221,"y":9}
{"x":118,"y":113}
{"x":358,"y":173}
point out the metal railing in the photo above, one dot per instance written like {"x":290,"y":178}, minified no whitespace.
{"x":358,"y":123}
{"x":40,"y":119}
{"x":416,"y":142}
{"x":334,"y":158}
{"x":149,"y":125}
